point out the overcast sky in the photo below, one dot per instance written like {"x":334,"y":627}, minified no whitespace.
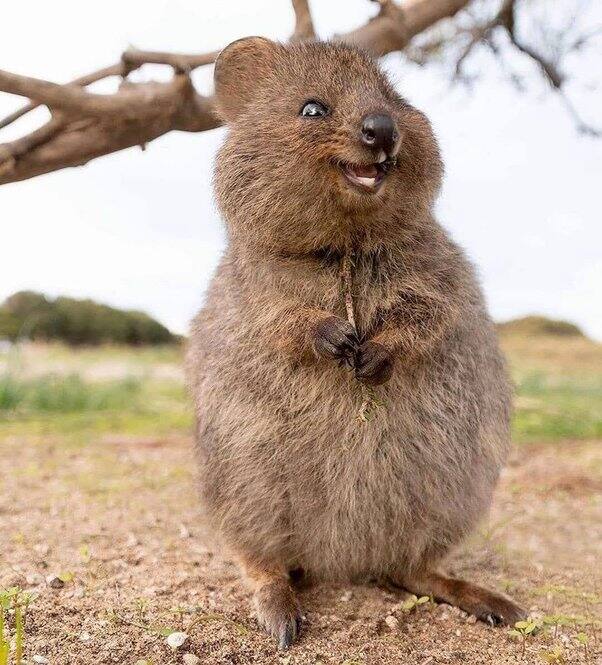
{"x":140,"y":230}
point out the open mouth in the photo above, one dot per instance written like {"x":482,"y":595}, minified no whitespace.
{"x":368,"y":177}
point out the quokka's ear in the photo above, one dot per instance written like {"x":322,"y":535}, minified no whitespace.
{"x":238,"y":70}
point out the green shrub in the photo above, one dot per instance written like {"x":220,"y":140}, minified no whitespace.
{"x":33,"y":316}
{"x":10,"y":325}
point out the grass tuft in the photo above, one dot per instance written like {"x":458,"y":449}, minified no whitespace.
{"x":65,"y":394}
{"x":14,"y":602}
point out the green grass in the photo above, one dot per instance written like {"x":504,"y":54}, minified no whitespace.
{"x":78,"y":393}
{"x":549,"y":409}
{"x":558,"y":387}
{"x":65,"y":394}
{"x":14,"y":603}
{"x":71,"y":406}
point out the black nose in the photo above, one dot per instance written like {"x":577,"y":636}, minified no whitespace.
{"x":379,"y":132}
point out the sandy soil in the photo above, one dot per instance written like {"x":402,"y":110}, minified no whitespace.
{"x":116,"y":519}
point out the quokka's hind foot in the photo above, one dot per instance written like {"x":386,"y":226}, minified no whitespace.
{"x":278,"y":611}
{"x":276,"y":605}
{"x":488,"y":606}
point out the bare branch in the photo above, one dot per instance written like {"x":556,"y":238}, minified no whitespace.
{"x":582,"y":126}
{"x":395,"y":25}
{"x":86,"y":125}
{"x":106,"y":72}
{"x":64,"y":97}
{"x":180,"y":62}
{"x":130,"y":60}
{"x":130,"y":102}
{"x":384,"y":33}
{"x":507,"y":19}
{"x":304,"y":25}
{"x":67,"y":141}
{"x":479,"y":35}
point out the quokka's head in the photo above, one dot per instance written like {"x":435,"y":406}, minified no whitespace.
{"x":320,"y":146}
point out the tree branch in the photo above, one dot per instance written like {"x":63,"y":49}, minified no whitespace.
{"x":304,"y":25}
{"x":114,"y":70}
{"x":395,"y":25}
{"x":180,"y":62}
{"x":551,"y":71}
{"x":67,"y":141}
{"x":87,"y":125}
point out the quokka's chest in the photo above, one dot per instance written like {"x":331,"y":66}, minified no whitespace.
{"x":335,"y":281}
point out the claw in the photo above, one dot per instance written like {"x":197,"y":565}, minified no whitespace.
{"x":288,"y":635}
{"x":335,"y":338}
{"x":278,"y":612}
{"x":492,"y":620}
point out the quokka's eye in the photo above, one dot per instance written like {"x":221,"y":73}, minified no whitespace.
{"x":313,"y":109}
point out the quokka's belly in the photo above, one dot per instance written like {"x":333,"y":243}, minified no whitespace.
{"x":290,"y":473}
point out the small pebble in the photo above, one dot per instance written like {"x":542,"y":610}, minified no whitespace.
{"x":40,"y":660}
{"x":471,"y":619}
{"x":34,"y":579}
{"x":85,"y":637}
{"x":78,"y":593}
{"x":347,"y":596}
{"x":55,"y":582}
{"x":191,"y":659}
{"x":132,"y":541}
{"x":458,"y":632}
{"x":176,"y":640}
{"x":392,"y":622}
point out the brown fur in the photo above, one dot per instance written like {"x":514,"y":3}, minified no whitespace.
{"x":290,"y":478}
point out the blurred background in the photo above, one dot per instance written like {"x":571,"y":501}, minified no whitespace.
{"x":103,"y":266}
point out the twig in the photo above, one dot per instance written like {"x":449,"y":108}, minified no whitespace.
{"x":348,"y":286}
{"x":181,"y":62}
{"x":370,"y":401}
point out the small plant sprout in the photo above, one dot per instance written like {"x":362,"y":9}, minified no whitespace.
{"x":84,"y":552}
{"x":4,"y":645}
{"x":141,"y":607}
{"x":179,"y":612}
{"x":13,"y":601}
{"x":583,"y":640}
{"x":525,"y":629}
{"x":556,"y":621}
{"x":413,"y":602}
{"x":555,"y":655}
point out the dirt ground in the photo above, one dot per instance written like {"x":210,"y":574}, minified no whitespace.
{"x":115,"y":519}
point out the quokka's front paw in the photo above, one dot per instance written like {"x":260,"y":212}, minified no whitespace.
{"x":373,"y":363}
{"x":278,"y":612}
{"x":336,"y":339}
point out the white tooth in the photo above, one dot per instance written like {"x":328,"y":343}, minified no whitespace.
{"x":382,"y":157}
{"x":369,"y":182}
